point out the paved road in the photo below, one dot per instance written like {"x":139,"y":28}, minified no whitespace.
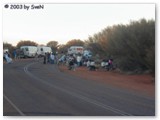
{"x":34,"y":89}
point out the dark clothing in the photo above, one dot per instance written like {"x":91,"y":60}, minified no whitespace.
{"x":44,"y":62}
{"x":71,"y":63}
{"x":92,"y":67}
{"x":48,"y":57}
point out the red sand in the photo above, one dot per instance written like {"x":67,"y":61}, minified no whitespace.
{"x":139,"y":83}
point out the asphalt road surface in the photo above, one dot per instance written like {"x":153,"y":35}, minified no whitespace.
{"x":31,"y":88}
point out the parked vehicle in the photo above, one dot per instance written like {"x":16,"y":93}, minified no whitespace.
{"x":20,"y":53}
{"x":76,"y":50}
{"x":87,"y":54}
{"x":41,"y":50}
{"x":29,"y":51}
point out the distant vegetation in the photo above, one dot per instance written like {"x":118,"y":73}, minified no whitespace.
{"x":73,"y":42}
{"x":53,"y":44}
{"x":131,"y":46}
{"x":26,"y":43}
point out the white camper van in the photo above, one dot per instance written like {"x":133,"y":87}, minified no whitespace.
{"x":29,"y":51}
{"x":41,"y":50}
{"x":76,"y":50}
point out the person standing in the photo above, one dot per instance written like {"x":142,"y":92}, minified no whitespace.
{"x":110,"y":63}
{"x":52,"y":58}
{"x":45,"y":58}
{"x":74,"y":63}
{"x":70,"y":62}
{"x":7,"y":57}
{"x":48,"y":57}
{"x":15,"y":54}
{"x":79,"y":59}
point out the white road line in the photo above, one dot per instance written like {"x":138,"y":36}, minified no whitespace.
{"x":107,"y":107}
{"x":13,"y":105}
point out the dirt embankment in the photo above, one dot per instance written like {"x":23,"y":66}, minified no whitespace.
{"x":139,"y":83}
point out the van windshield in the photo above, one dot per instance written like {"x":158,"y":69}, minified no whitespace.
{"x":26,"y":49}
{"x":32,"y":48}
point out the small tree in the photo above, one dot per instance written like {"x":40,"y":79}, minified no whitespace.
{"x":53,"y":45}
{"x":75,"y":42}
{"x":26,"y":43}
{"x":62,"y":49}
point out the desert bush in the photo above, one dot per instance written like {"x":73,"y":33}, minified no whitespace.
{"x":131,"y":46}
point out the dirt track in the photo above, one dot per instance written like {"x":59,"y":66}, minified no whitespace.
{"x":139,"y":83}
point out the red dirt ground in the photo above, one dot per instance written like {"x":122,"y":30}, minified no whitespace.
{"x":139,"y":83}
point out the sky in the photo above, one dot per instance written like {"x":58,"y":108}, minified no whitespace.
{"x":64,"y":22}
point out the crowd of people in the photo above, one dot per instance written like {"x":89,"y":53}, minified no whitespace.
{"x":73,"y":61}
{"x":8,"y":57}
{"x":50,"y":58}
